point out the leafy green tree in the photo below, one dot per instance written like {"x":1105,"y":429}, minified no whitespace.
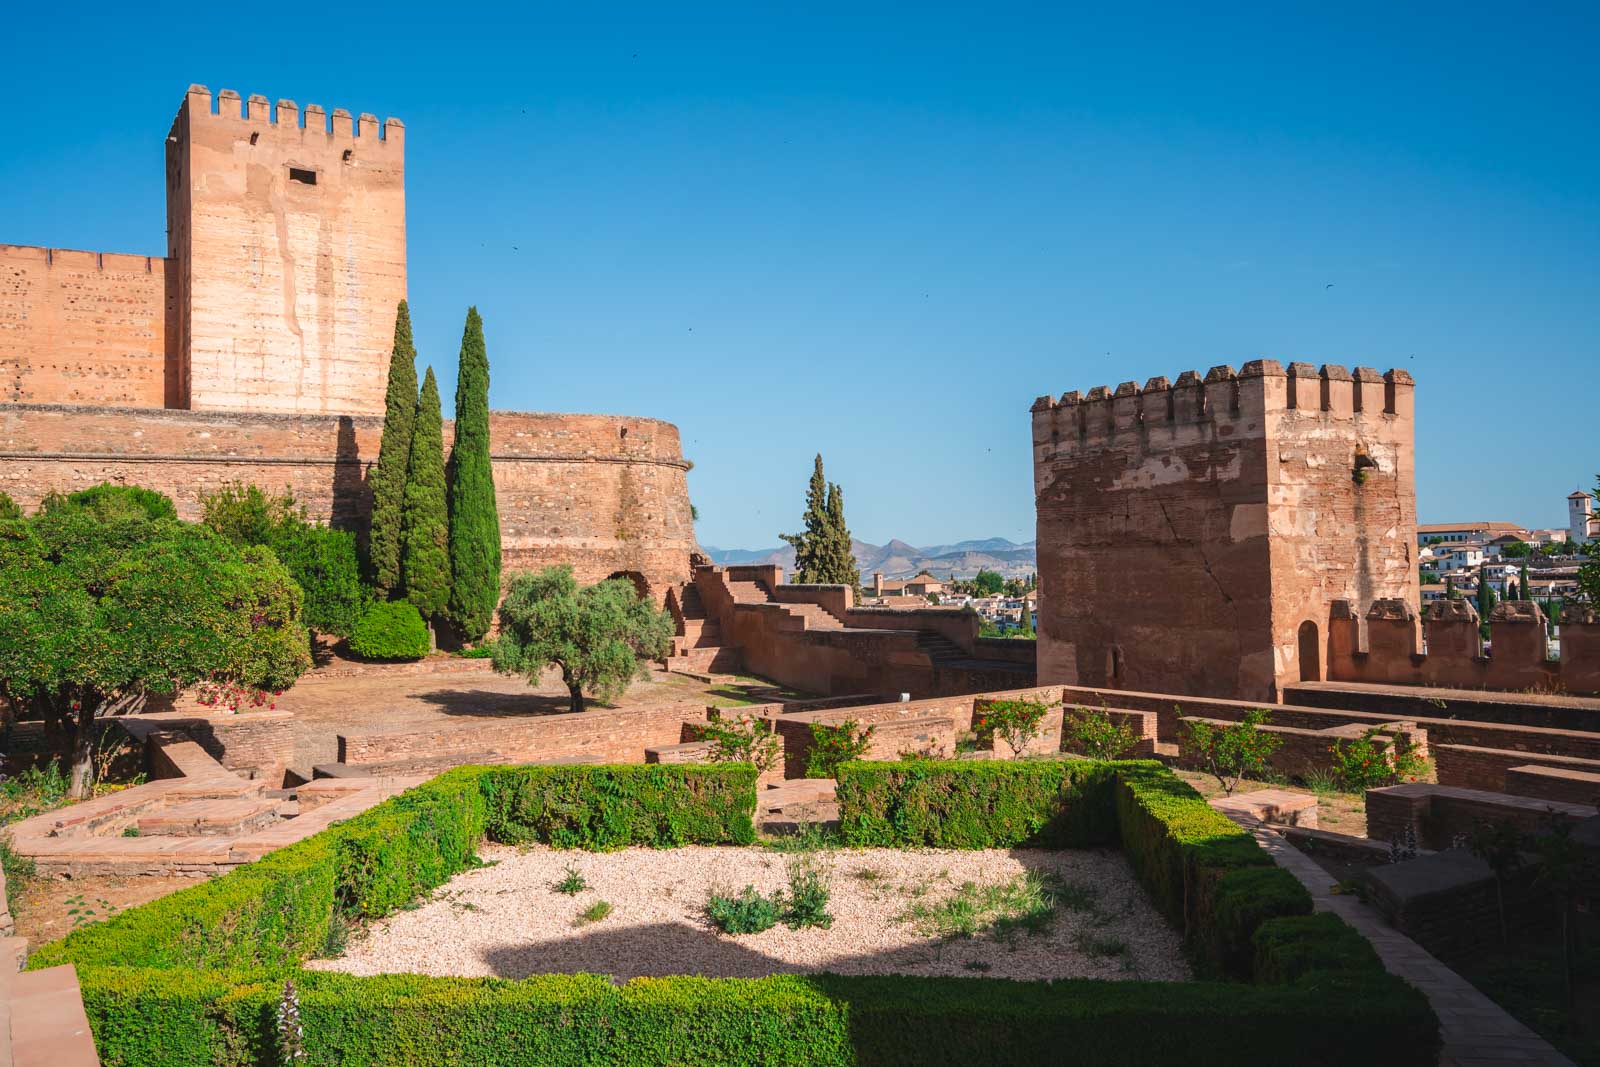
{"x":388,"y":479}
{"x":1516,"y":550}
{"x":98,"y":613}
{"x":600,"y":636}
{"x":323,"y":562}
{"x":425,"y":525}
{"x":1231,"y":753}
{"x":474,"y":518}
{"x":810,"y":544}
{"x":8,"y":507}
{"x":988,"y":583}
{"x":112,"y":501}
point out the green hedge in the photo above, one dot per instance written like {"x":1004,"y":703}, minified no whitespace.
{"x":390,"y":630}
{"x":976,"y":803}
{"x":219,"y":1019}
{"x":604,"y":808}
{"x":193,"y":980}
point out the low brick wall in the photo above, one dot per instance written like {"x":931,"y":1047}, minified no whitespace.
{"x":1472,"y":767}
{"x":1304,"y":752}
{"x":933,"y":736}
{"x":611,"y":735}
{"x":1508,"y":709}
{"x":1441,"y":812}
{"x":1554,"y":783}
{"x":256,"y":744}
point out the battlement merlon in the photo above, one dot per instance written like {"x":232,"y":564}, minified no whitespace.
{"x":1103,"y":417}
{"x":258,"y":111}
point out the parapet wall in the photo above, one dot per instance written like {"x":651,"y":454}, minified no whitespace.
{"x":87,"y":328}
{"x":1454,"y":656}
{"x":1187,"y":532}
{"x":604,"y":493}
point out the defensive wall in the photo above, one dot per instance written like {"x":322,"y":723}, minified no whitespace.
{"x":604,"y":493}
{"x":1192,"y":534}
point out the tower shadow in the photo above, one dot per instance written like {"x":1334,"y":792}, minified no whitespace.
{"x":351,"y":497}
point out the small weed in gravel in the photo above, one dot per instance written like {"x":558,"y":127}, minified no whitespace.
{"x":806,"y":837}
{"x":573,"y":884}
{"x":748,"y":913}
{"x":808,"y":894}
{"x":1099,"y":948}
{"x":594,"y":913}
{"x":1076,"y":896}
{"x":978,"y":965}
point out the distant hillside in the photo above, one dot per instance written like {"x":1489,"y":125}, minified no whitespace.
{"x":899,"y":559}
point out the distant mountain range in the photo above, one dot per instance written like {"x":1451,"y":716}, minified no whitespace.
{"x":897,"y":559}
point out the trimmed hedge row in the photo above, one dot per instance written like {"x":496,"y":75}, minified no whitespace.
{"x":1319,"y":989}
{"x":976,"y":803}
{"x":279,"y":910}
{"x":203,"y":1019}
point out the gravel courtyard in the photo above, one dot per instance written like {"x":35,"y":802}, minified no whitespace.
{"x":895,"y":912}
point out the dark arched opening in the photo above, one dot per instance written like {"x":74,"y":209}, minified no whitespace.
{"x":636,"y":578}
{"x":1310,"y":653}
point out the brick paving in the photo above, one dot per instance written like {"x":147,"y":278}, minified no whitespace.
{"x":1476,"y":1031}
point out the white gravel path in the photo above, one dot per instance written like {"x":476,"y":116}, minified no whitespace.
{"x":506,"y":920}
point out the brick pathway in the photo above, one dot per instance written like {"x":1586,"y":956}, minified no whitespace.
{"x":1477,"y":1032}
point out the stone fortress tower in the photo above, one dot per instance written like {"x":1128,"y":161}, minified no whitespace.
{"x":257,"y":350}
{"x":1192,"y":536}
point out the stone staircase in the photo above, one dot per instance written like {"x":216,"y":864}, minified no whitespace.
{"x":698,"y":647}
{"x":939,"y":648}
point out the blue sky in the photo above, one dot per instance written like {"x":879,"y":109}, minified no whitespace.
{"x":879,"y":235}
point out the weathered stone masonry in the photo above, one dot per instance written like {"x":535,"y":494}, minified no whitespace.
{"x":257,"y":351}
{"x":1191,"y":536}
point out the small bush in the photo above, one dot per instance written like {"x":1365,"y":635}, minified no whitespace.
{"x":594,"y":913}
{"x":808,"y":894}
{"x":483,"y":650}
{"x":390,"y":630}
{"x":1363,"y":763}
{"x":1093,"y":734}
{"x":8,"y":507}
{"x":1234,"y":752}
{"x":743,"y":739}
{"x":748,"y":913}
{"x":1016,"y":722}
{"x":18,"y":870}
{"x":107,"y":501}
{"x":833,"y":745}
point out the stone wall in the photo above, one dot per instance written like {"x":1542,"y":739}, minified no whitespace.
{"x":1387,"y":650}
{"x":290,"y":245}
{"x":1188,"y":533}
{"x":607,"y":494}
{"x":258,"y":744}
{"x":1476,"y":767}
{"x":1440,"y":813}
{"x":1554,"y":783}
{"x":86,"y":328}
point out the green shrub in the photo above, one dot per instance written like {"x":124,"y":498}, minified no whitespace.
{"x":113,"y":502}
{"x":1233,"y":752}
{"x":809,"y":893}
{"x":976,"y":804}
{"x":832,"y":745}
{"x":1363,"y":763}
{"x":604,"y":808}
{"x":1240,"y":902}
{"x":1094,"y":734}
{"x":1016,"y":722}
{"x":1289,"y":948}
{"x":748,"y":913}
{"x":742,"y":739}
{"x":8,"y":507}
{"x":325,"y":564}
{"x":390,"y":630}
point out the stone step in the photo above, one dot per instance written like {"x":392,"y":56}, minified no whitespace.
{"x":48,"y":1024}
{"x":202,"y":818}
{"x":748,"y":593}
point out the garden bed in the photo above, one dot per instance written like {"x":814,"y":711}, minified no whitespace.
{"x":1025,"y":913}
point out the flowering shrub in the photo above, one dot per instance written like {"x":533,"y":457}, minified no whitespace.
{"x":1092,"y":733}
{"x":745,"y":739}
{"x":1231,"y":753}
{"x":833,"y":745}
{"x":1017,"y":722}
{"x":1364,"y":763}
{"x":235,"y":697}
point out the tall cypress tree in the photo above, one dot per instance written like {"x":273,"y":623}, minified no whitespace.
{"x":425,"y":531}
{"x":388,"y":479}
{"x":1524,"y":590}
{"x":811,"y":543}
{"x":841,"y":563}
{"x":474,"y":519}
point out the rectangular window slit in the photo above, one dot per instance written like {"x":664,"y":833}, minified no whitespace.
{"x":305,"y":177}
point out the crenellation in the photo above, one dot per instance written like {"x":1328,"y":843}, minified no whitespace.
{"x":342,"y":124}
{"x":316,"y":119}
{"x":230,"y":105}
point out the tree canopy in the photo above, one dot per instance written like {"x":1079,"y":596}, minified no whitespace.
{"x":824,"y":550}
{"x":388,"y":478}
{"x":474,"y":517}
{"x":425,"y":526}
{"x":600,"y":636}
{"x":97,"y":613}
{"x":988,"y":583}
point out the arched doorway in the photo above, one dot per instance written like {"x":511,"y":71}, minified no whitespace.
{"x":1310,"y":653}
{"x":636,"y":578}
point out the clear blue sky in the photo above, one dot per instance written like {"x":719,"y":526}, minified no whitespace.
{"x":880,"y":236}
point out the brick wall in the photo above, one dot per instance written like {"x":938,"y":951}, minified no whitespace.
{"x":1303,"y":752}
{"x":628,"y":472}
{"x":1474,"y":767}
{"x":257,"y":744}
{"x":1154,"y":507}
{"x":612,"y":736}
{"x":85,"y":327}
{"x":1441,"y":812}
{"x":1554,"y":783}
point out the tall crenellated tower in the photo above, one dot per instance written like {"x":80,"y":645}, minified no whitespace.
{"x":1192,"y":536}
{"x":289,"y":251}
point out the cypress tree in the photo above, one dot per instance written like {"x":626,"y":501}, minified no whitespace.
{"x":811,"y":544}
{"x":1524,"y":590}
{"x":474,"y":519}
{"x":841,"y":568}
{"x":425,"y":533}
{"x":388,"y":479}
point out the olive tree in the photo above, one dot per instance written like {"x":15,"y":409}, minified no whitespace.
{"x":100,"y":610}
{"x":600,"y":636}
